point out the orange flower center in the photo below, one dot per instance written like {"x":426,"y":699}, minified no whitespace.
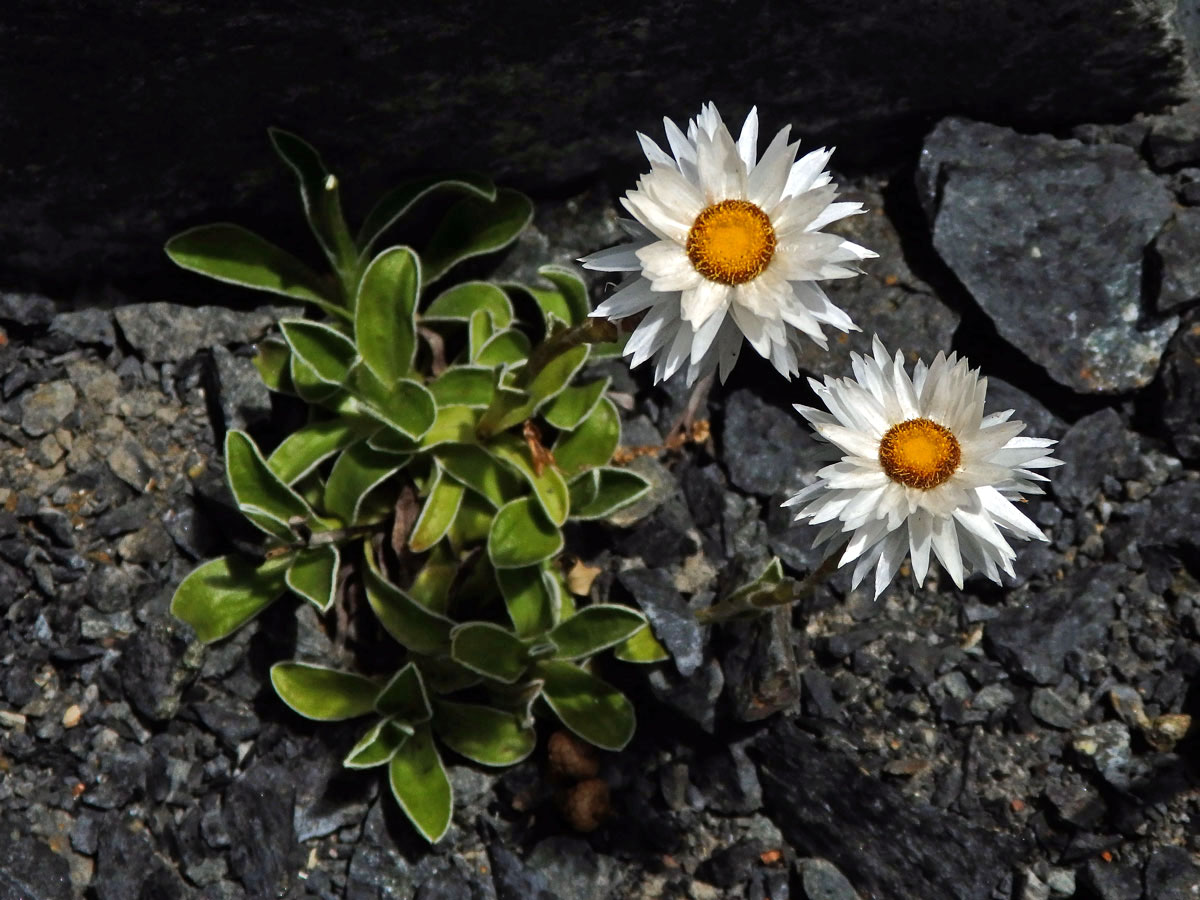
{"x":919,"y":453}
{"x":731,"y":242}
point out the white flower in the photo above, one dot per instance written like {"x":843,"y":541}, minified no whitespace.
{"x":725,"y":245}
{"x":921,"y":468}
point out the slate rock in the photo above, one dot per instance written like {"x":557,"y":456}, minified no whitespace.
{"x":822,"y":880}
{"x":1048,"y":705}
{"x":1174,"y":138}
{"x":1172,"y":874}
{"x":1180,"y":380}
{"x":729,"y":781}
{"x":1033,"y":639}
{"x":1180,"y":264}
{"x":244,"y":398}
{"x":733,"y":865}
{"x":86,"y":326}
{"x":44,"y":408}
{"x":1039,"y":421}
{"x":889,"y":845}
{"x":670,"y":618}
{"x":1096,"y":446}
{"x":25,"y":309}
{"x":154,"y":670}
{"x":761,"y":666}
{"x":766,"y":449}
{"x":695,"y":696}
{"x":513,"y":880}
{"x":127,"y":866}
{"x":576,"y":871}
{"x":1110,"y":880}
{"x":1105,"y":747}
{"x":171,"y":332}
{"x":30,"y":870}
{"x":1048,"y":237}
{"x":258,"y":818}
{"x":1172,"y":517}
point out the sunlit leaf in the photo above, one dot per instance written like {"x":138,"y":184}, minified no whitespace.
{"x":313,"y":574}
{"x":473,"y":522}
{"x":322,"y":693}
{"x":272,"y":358}
{"x":328,"y":352}
{"x":593,"y":441}
{"x":609,"y":489}
{"x":475,"y":468}
{"x":378,"y":745}
{"x":419,"y":784}
{"x":431,"y":585}
{"x":410,"y":623}
{"x":531,"y":598}
{"x":574,"y":404}
{"x":488,"y":736}
{"x":405,"y":405}
{"x":587,"y":705}
{"x":404,"y":697}
{"x":471,"y":386}
{"x":358,"y":471}
{"x":441,"y":506}
{"x":225,"y":593}
{"x":259,"y":493}
{"x":396,"y":203}
{"x":460,"y":302}
{"x":548,"y":485}
{"x":503,"y":347}
{"x":641,"y":647}
{"x":521,"y":535}
{"x":507,"y":410}
{"x":453,"y":425}
{"x":384,"y":315}
{"x":595,"y":628}
{"x":475,"y":226}
{"x":303,"y":450}
{"x":489,"y":650}
{"x":573,"y":291}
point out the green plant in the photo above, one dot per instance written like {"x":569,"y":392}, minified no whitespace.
{"x":421,"y":475}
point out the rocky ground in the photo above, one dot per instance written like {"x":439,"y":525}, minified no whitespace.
{"x":996,"y":743}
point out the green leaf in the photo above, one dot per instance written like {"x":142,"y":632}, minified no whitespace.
{"x":225,"y":593}
{"x":404,"y":405}
{"x":509,"y":408}
{"x":490,"y":650}
{"x":404,"y":697}
{"x":453,"y":425}
{"x":385,"y":330}
{"x":475,"y":468}
{"x":574,"y":404}
{"x":441,"y":506}
{"x":608,"y":490}
{"x":531,"y":597}
{"x":272,"y":358}
{"x":763,"y":589}
{"x":328,"y":352}
{"x":431,"y":585}
{"x":322,"y":693}
{"x":593,"y":441}
{"x":322,"y":204}
{"x":490,"y":737}
{"x":378,"y":745}
{"x":548,"y":486}
{"x":234,"y":255}
{"x":305,"y":449}
{"x":480,"y":329}
{"x":261,"y":496}
{"x":587,"y":705}
{"x":473,"y":522}
{"x":410,"y":623}
{"x":420,"y":785}
{"x":595,"y":628}
{"x":460,"y":302}
{"x":313,"y":574}
{"x":396,"y":203}
{"x":521,"y":535}
{"x":502,"y":348}
{"x":472,"y":386}
{"x":309,"y":385}
{"x":641,"y":647}
{"x":474,"y":226}
{"x":572,"y":290}
{"x":358,"y":471}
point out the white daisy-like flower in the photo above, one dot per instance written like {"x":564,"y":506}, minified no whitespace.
{"x":727,"y":245}
{"x":921,"y":468}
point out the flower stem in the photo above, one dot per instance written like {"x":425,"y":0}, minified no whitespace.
{"x":784,"y":594}
{"x":590,"y":331}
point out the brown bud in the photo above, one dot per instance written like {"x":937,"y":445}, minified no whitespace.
{"x":570,"y":758}
{"x":586,"y":805}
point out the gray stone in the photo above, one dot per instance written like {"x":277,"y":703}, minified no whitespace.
{"x":1096,"y":446}
{"x":244,"y":398}
{"x":1180,"y":380}
{"x":1172,"y":519}
{"x":1172,"y":874}
{"x":823,"y":880}
{"x":1048,"y":705}
{"x":670,"y":618}
{"x":170,"y":332}
{"x":1009,"y":213}
{"x":1174,"y":138}
{"x":44,"y":407}
{"x":86,"y":326}
{"x":576,"y":870}
{"x":1110,"y":880}
{"x":30,"y":870}
{"x":26,"y":309}
{"x":258,"y":817}
{"x":1105,"y":748}
{"x":694,"y":697}
{"x":766,"y":449}
{"x":1176,"y":248}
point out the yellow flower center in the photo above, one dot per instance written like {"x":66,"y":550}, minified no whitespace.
{"x":731,"y":242}
{"x":919,"y":453}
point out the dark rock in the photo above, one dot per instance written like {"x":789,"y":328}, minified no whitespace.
{"x":190,"y":529}
{"x":662,"y":537}
{"x":1176,"y":248}
{"x":58,"y":525}
{"x":823,"y":881}
{"x":154,"y":671}
{"x":258,"y":817}
{"x":232,"y":720}
{"x":818,"y":696}
{"x":1095,"y":446}
{"x":244,"y":399}
{"x":1039,"y":421}
{"x":512,"y":879}
{"x":29,"y":870}
{"x":694,"y":696}
{"x":1005,"y":210}
{"x":1075,"y":801}
{"x":44,"y":407}
{"x":761,"y":666}
{"x":127,"y":866}
{"x":1172,"y":517}
{"x":891,"y":846}
{"x":576,"y":870}
{"x":767,"y":449}
{"x":26,"y":309}
{"x":1172,"y":874}
{"x":1110,"y":880}
{"x":329,"y":797}
{"x":733,"y":865}
{"x":1105,"y":748}
{"x":729,"y":782}
{"x":149,"y":544}
{"x":1033,"y":639}
{"x":1049,"y":706}
{"x":673,"y":623}
{"x":1174,"y":138}
{"x":86,"y":326}
{"x":1180,"y":381}
{"x":126,"y":517}
{"x":168,"y":332}
{"x":85,"y":833}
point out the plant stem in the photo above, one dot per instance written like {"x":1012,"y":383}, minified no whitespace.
{"x":782,"y":595}
{"x":590,"y":331}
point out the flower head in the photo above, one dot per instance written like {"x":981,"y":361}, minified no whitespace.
{"x":921,"y":469}
{"x":726,"y":246}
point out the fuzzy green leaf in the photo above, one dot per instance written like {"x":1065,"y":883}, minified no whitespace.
{"x":595,"y":628}
{"x":263,"y":498}
{"x":511,"y":407}
{"x":328,"y":352}
{"x":474,"y":226}
{"x":613,"y":489}
{"x":378,"y":745}
{"x":313,"y":574}
{"x":475,"y":468}
{"x":531,"y":597}
{"x":641,"y":647}
{"x":322,"y":693}
{"x":587,"y":705}
{"x":453,"y":425}
{"x":431,"y":585}
{"x":472,"y":386}
{"x":473,"y":522}
{"x":404,"y":697}
{"x":441,"y":506}
{"x":309,"y":385}
{"x":490,"y":650}
{"x":593,"y":441}
{"x":410,"y":623}
{"x":399,"y":201}
{"x":305,"y":449}
{"x":480,"y":328}
{"x":358,"y":471}
{"x":502,"y":348}
{"x":490,"y":737}
{"x":420,"y":785}
{"x":460,"y":302}
{"x":548,"y":485}
{"x":405,"y":405}
{"x":574,"y":404}
{"x":225,"y":593}
{"x":385,"y":328}
{"x":272,"y":359}
{"x":572,"y":290}
{"x":234,"y":255}
{"x":521,"y":535}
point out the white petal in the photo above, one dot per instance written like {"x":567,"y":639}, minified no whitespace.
{"x":748,"y":139}
{"x":629,"y":300}
{"x":765,"y":183}
{"x":806,"y":170}
{"x":621,"y":258}
{"x":667,"y":267}
{"x":945,"y":546}
{"x":703,"y":299}
{"x":654,"y":153}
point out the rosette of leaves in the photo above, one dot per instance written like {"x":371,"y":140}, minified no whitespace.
{"x":446,"y":447}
